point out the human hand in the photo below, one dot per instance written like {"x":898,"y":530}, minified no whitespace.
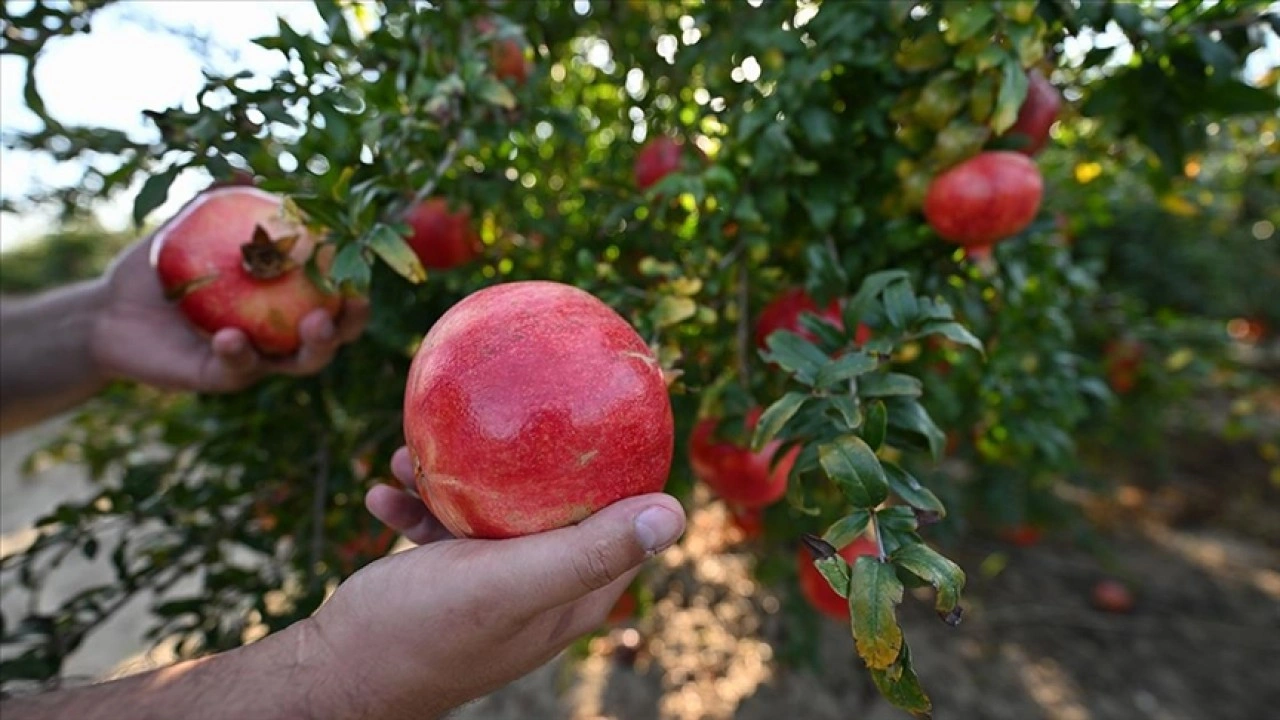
{"x":425,"y":630}
{"x":139,"y":335}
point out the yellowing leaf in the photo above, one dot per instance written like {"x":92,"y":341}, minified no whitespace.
{"x":687,"y":286}
{"x":1087,"y":172}
{"x":1178,"y":205}
{"x":671,"y":310}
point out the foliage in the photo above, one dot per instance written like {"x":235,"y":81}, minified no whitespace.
{"x":71,"y":254}
{"x":818,"y":129}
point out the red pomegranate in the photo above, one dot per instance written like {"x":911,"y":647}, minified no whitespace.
{"x":815,"y":587}
{"x":1022,"y":535}
{"x":232,"y":259}
{"x":1122,"y":360}
{"x":1112,"y":596}
{"x":624,"y":609}
{"x":984,"y":199}
{"x":735,"y":473}
{"x":529,"y":406}
{"x":783,"y":313}
{"x":749,"y":520}
{"x":442,"y":239}
{"x":657,"y":159}
{"x":1037,"y":114}
{"x":507,"y":55}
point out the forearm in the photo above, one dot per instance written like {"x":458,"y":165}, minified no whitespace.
{"x":282,"y":677}
{"x":46,"y":365}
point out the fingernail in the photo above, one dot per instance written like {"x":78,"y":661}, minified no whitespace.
{"x":657,"y":528}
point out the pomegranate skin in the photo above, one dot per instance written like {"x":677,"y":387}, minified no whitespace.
{"x":1037,"y":114}
{"x":199,"y":248}
{"x":736,"y":474}
{"x":657,"y":159}
{"x":984,"y":199}
{"x":531,"y":405}
{"x":441,"y":239}
{"x":815,"y":588}
{"x":783,"y":313}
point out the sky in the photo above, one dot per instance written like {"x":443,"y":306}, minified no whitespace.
{"x":123,"y":66}
{"x":127,"y":65}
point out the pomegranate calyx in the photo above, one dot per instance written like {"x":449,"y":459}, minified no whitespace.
{"x":265,"y":258}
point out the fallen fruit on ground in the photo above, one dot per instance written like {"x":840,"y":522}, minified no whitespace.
{"x":1112,"y":596}
{"x":739,"y":476}
{"x":231,"y":258}
{"x":985,"y":199}
{"x":531,"y":405}
{"x":442,"y":238}
{"x":815,"y":588}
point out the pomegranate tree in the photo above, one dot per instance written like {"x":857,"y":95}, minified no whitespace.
{"x":529,"y":406}
{"x":1037,"y":114}
{"x":784,"y":311}
{"x":815,"y":588}
{"x":234,"y":258}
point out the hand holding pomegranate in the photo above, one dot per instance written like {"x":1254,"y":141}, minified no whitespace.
{"x":140,"y":334}
{"x":417,"y":633}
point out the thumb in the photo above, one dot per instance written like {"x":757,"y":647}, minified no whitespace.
{"x":549,"y":569}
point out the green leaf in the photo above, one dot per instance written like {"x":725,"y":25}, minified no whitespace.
{"x":971,"y":19}
{"x":906,"y":487}
{"x":876,"y":424}
{"x":889,"y":385}
{"x":351,"y":271}
{"x":837,"y":573}
{"x":901,"y":687}
{"x":847,"y":406}
{"x":849,"y":365}
{"x":897,"y":518}
{"x":910,"y":416}
{"x":494,"y":92}
{"x":927,"y":564}
{"x":874,"y":594}
{"x":396,"y":253}
{"x":818,"y":125}
{"x":848,"y":528}
{"x":954,"y":332}
{"x":900,"y":304}
{"x":153,"y":193}
{"x":776,"y":416}
{"x":855,"y":469}
{"x":1232,"y":97}
{"x":318,"y":210}
{"x":672,"y":309}
{"x":795,"y":355}
{"x":1013,"y":92}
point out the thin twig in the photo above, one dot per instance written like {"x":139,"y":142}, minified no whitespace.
{"x":446,"y":160}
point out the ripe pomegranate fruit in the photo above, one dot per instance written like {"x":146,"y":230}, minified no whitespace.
{"x":442,"y":239}
{"x":817,"y":590}
{"x":623,"y":610}
{"x":657,"y":159}
{"x":984,"y":199}
{"x":735,"y":473}
{"x":507,"y":55}
{"x":1122,"y":360}
{"x":231,"y":258}
{"x":1112,"y":596}
{"x":1037,"y":114}
{"x":783,"y":313}
{"x":749,"y":520}
{"x":1022,"y":535}
{"x":529,"y":406}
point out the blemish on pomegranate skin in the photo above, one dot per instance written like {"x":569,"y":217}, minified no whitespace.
{"x":587,"y":457}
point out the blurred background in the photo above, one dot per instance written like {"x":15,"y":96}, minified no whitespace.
{"x":1113,"y":489}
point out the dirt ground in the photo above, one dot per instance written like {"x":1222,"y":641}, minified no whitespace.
{"x":1201,"y":644}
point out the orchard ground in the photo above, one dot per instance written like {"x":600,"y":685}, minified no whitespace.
{"x":1200,"y":549}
